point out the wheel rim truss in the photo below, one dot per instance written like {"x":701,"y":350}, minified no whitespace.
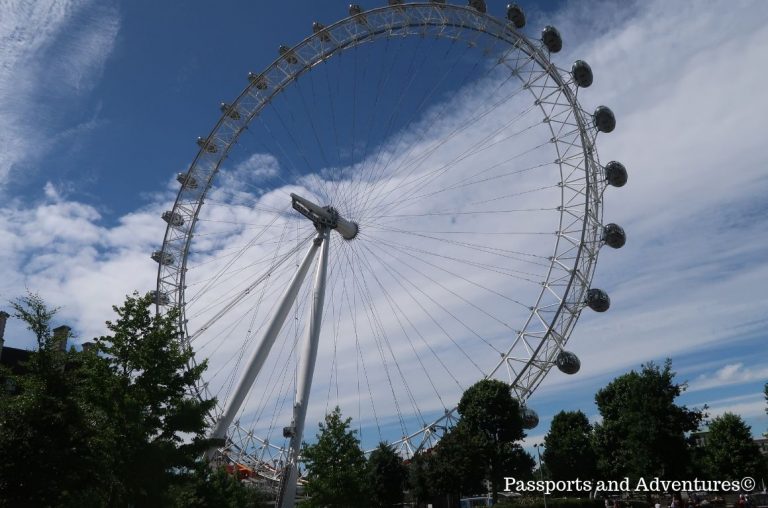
{"x":552,"y":318}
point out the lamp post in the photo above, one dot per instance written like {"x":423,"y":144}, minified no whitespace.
{"x":541,"y":472}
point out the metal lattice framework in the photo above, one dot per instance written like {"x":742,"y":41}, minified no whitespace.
{"x":539,"y":341}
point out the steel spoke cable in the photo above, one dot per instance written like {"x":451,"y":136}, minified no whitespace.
{"x":375,"y":328}
{"x":515,"y":274}
{"x":359,"y":360}
{"x":367,"y":162}
{"x":454,"y":293}
{"x":467,"y":183}
{"x":416,"y":161}
{"x":368,"y":177}
{"x":321,"y":187}
{"x":430,"y":176}
{"x":222,"y":254}
{"x":232,"y":261}
{"x":291,"y":165}
{"x":428,"y":94}
{"x":397,"y":311}
{"x":385,"y":73}
{"x":516,"y":194}
{"x":426,"y":343}
{"x":236,"y":272}
{"x":309,"y":118}
{"x":219,"y":277}
{"x":413,"y":163}
{"x":442,"y":307}
{"x":332,"y":103}
{"x":388,"y":343}
{"x":239,"y":297}
{"x":510,"y":254}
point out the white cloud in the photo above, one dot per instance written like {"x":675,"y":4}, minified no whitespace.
{"x":61,"y":250}
{"x":730,"y":374}
{"x":685,"y":282}
{"x":51,"y":53}
{"x":747,"y":406}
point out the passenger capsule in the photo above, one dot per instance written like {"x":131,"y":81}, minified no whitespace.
{"x":605,"y":121}
{"x":286,"y":52}
{"x":530,"y":418}
{"x":395,"y":2}
{"x":614,"y":236}
{"x":259,"y":81}
{"x":598,"y":300}
{"x":319,"y":27}
{"x":229,"y":111}
{"x":173,"y":218}
{"x":516,"y":15}
{"x":163,"y":258}
{"x":186,"y":181}
{"x":478,"y":5}
{"x":582,"y":73}
{"x":615,"y":174}
{"x":551,"y":38}
{"x":159,"y":297}
{"x":206,"y":145}
{"x":568,"y":363}
{"x":355,"y":9}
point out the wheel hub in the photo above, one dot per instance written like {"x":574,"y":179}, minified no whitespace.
{"x":325,"y":217}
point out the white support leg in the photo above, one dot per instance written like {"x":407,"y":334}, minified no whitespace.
{"x":304,"y":382}
{"x":262,"y":351}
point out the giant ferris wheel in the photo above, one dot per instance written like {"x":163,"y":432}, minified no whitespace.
{"x":407,"y":201}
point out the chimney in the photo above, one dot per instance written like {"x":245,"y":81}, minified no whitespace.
{"x":3,"y":318}
{"x":60,"y":336}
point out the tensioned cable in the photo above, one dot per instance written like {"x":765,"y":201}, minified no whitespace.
{"x":435,"y":301}
{"x":367,"y":307}
{"x":416,"y":161}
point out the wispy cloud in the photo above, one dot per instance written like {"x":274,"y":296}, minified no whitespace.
{"x":685,"y":87}
{"x":50,"y":53}
{"x":731,"y":374}
{"x":750,"y":406}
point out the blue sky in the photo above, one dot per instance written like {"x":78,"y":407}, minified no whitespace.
{"x":100,"y":104}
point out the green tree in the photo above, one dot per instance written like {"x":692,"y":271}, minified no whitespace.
{"x":491,"y":423}
{"x":642,"y":433}
{"x":335,"y":465}
{"x":481,"y":446}
{"x":37,"y":316}
{"x":459,"y":463}
{"x":114,"y":426}
{"x":144,"y":383}
{"x":208,"y":486}
{"x":421,"y":478}
{"x":568,"y":450}
{"x":51,"y":447}
{"x":730,"y":453}
{"x":386,"y":476}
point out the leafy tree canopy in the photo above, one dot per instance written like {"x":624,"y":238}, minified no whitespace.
{"x":483,"y":445}
{"x":642,"y":433}
{"x":568,"y":450}
{"x":386,"y":477}
{"x":335,"y":465}
{"x":730,"y":452}
{"x":113,"y":426}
